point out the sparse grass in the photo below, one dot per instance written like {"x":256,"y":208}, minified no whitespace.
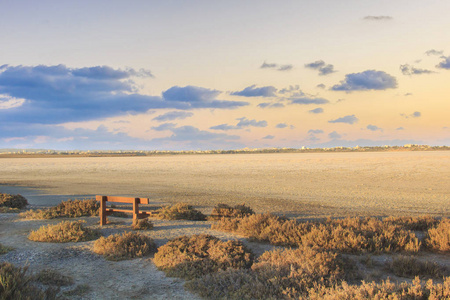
{"x":226,"y":211}
{"x":180,"y":211}
{"x":53,"y":277}
{"x":63,"y":232}
{"x":351,"y":235}
{"x":124,"y":246}
{"x":6,"y":210}
{"x":142,"y":224}
{"x":4,"y":249}
{"x":15,"y":283}
{"x":438,"y":238}
{"x":13,"y":201}
{"x":191,"y":257}
{"x":66,"y":209}
{"x":410,"y":267}
{"x":79,"y":290}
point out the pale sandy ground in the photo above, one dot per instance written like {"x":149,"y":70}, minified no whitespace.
{"x":298,"y":185}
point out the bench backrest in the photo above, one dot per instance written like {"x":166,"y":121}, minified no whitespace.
{"x":122,"y":199}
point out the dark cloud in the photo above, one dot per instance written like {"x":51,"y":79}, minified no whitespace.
{"x":410,"y":70}
{"x":277,"y":67}
{"x":321,"y":86}
{"x":416,"y":114}
{"x":292,"y":89}
{"x":285,"y":68}
{"x":373,"y":128}
{"x":268,"y":137}
{"x":268,"y":66}
{"x":324,"y":69}
{"x":434,"y":52}
{"x":315,"y":131}
{"x":377,"y":18}
{"x":400,"y":128}
{"x":318,"y":110}
{"x":173,"y":115}
{"x":334,"y":135}
{"x":350,"y":119}
{"x":281,"y":125}
{"x":243,"y":123}
{"x":58,"y":94}
{"x":445,"y":64}
{"x":367,"y":80}
{"x":308,"y":100}
{"x":164,"y":126}
{"x":253,"y":91}
{"x":270,"y":105}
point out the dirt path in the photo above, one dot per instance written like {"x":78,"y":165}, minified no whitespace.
{"x":129,"y":279}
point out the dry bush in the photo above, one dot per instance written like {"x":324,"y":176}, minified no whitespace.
{"x":69,"y":209}
{"x":416,"y":290}
{"x":190,"y":257}
{"x":142,"y":224}
{"x":15,"y":283}
{"x":63,"y":232}
{"x":408,"y":266}
{"x":277,"y":274}
{"x":7,"y":210}
{"x":226,"y":211}
{"x":53,"y":277}
{"x":350,"y":235}
{"x":180,"y":211}
{"x":438,"y":238}
{"x":420,"y":223}
{"x":13,"y":201}
{"x":124,"y":246}
{"x":4,"y":249}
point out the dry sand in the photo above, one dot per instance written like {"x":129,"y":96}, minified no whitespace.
{"x":298,"y":185}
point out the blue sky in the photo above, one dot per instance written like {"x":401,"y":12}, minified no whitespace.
{"x":223,"y":74}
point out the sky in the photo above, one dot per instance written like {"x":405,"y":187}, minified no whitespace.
{"x":199,"y":75}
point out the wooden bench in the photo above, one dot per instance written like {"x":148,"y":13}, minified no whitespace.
{"x":106,"y":211}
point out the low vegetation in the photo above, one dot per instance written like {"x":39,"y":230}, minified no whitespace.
{"x":124,"y":246}
{"x":13,"y":201}
{"x":438,"y":238}
{"x":227,"y":211}
{"x":63,"y":232}
{"x":4,"y":249}
{"x":142,"y":224}
{"x":66,"y":209}
{"x":16,"y":283}
{"x":410,"y":267}
{"x":53,"y":278}
{"x":191,"y":257}
{"x":422,"y":223}
{"x":180,"y":211}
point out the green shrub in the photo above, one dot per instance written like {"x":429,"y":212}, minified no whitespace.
{"x":13,"y":201}
{"x":63,"y":232}
{"x":124,"y":246}
{"x":226,"y":211}
{"x":190,"y":257}
{"x":438,"y":238}
{"x":53,"y":277}
{"x":15,"y":283}
{"x":408,"y":266}
{"x":180,"y":211}
{"x":142,"y":224}
{"x":66,"y":209}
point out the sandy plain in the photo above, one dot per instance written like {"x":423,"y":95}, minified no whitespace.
{"x":299,"y":185}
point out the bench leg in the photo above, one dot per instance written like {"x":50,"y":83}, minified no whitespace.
{"x":103,"y":211}
{"x":135,"y":209}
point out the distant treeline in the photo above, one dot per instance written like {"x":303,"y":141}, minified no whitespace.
{"x":45,"y":152}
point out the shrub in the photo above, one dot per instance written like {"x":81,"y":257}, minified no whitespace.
{"x":142,"y":224}
{"x":421,"y":223}
{"x":4,"y":249}
{"x":13,"y":201}
{"x":226,"y":211}
{"x":53,"y":277}
{"x":124,"y":246}
{"x":438,"y":238}
{"x":63,"y":232}
{"x":190,"y":257}
{"x":180,"y":211}
{"x":15,"y":283}
{"x":69,"y":209}
{"x":5,"y":209}
{"x":408,"y":266}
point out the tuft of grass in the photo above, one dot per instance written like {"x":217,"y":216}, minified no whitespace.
{"x":410,"y":267}
{"x":66,"y":209}
{"x":142,"y":224}
{"x":53,"y":277}
{"x":438,"y":238}
{"x":63,"y":232}
{"x":13,"y":201}
{"x":124,"y":246}
{"x":4,"y":249}
{"x":351,"y":235}
{"x":180,"y":211}
{"x":79,"y":290}
{"x":191,"y":257}
{"x":15,"y":283}
{"x":226,"y":211}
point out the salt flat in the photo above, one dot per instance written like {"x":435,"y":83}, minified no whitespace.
{"x":300,"y":184}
